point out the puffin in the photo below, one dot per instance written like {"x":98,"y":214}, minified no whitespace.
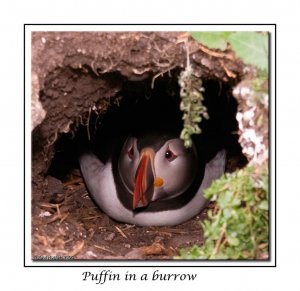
{"x":151,"y":179}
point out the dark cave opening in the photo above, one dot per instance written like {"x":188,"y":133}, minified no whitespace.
{"x":139,"y":107}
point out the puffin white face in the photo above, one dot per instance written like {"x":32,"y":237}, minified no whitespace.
{"x":153,"y":175}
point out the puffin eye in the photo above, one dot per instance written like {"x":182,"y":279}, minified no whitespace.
{"x":131,"y":153}
{"x":170,"y":156}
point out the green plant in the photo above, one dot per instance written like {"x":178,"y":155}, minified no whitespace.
{"x":238,"y":225}
{"x":191,"y":104}
{"x":250,"y":46}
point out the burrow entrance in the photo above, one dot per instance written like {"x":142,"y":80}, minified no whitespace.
{"x":74,"y":224}
{"x":139,"y":107}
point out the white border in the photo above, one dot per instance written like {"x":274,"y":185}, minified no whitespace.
{"x":31,"y":28}
{"x":150,"y":27}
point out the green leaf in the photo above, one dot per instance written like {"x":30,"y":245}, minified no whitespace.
{"x":225,"y":198}
{"x":233,"y":241}
{"x":264,"y":205}
{"x":212,"y":39}
{"x":251,"y":47}
{"x":227,"y":213}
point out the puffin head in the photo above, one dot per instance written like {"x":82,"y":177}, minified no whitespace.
{"x":156,"y":168}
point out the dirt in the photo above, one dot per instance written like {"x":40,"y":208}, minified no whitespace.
{"x":73,"y":74}
{"x":68,"y":223}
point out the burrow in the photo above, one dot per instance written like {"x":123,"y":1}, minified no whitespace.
{"x":88,"y":102}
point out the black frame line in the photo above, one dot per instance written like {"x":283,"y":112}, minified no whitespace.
{"x":166,"y":262}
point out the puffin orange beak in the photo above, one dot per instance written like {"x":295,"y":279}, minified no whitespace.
{"x":144,"y":180}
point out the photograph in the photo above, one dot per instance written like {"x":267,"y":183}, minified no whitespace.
{"x":149,"y":145}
